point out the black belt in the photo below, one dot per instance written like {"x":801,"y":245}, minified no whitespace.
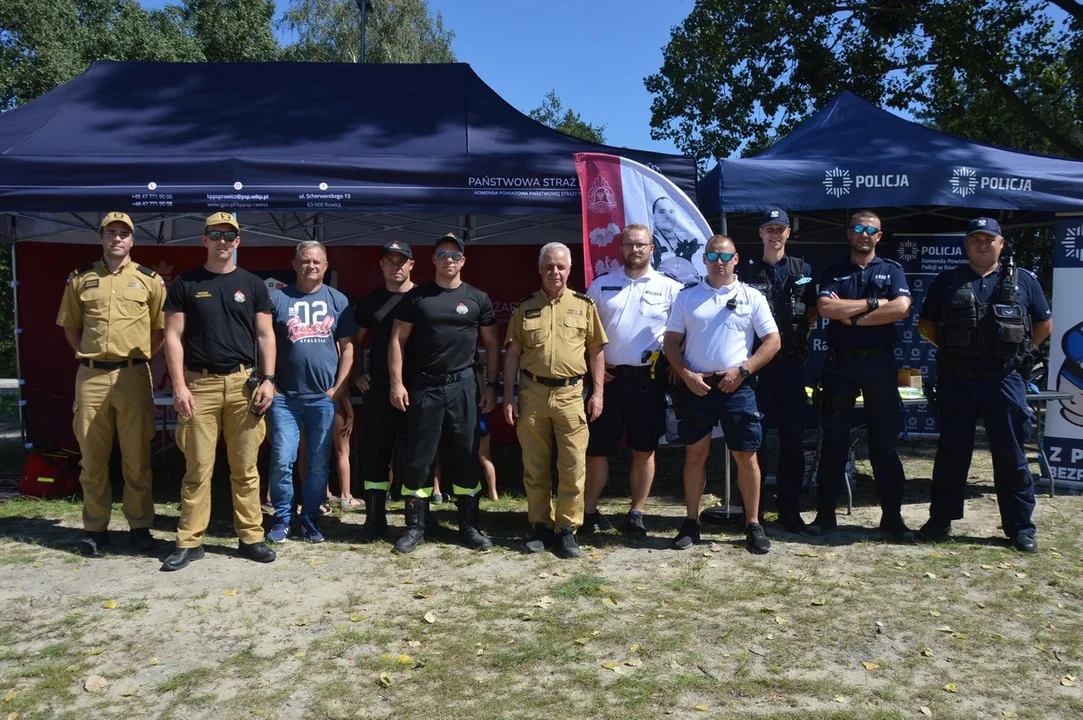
{"x":553,"y":382}
{"x":430,"y":380}
{"x":107,"y":365}
{"x":861,"y":353}
{"x":635,"y":370}
{"x":218,"y":369}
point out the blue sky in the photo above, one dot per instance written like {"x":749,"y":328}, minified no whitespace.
{"x":594,"y":53}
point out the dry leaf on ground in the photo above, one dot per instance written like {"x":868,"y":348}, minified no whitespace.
{"x":870,"y":666}
{"x":95,"y":683}
{"x":110,"y":605}
{"x":430,"y":617}
{"x":952,"y":688}
{"x":229,"y":593}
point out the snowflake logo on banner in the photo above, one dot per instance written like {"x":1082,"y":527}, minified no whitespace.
{"x":1073,"y":243}
{"x":964,"y":181}
{"x":908,"y":250}
{"x":600,"y":237}
{"x":600,"y":198}
{"x":604,"y":265}
{"x":837,"y":182}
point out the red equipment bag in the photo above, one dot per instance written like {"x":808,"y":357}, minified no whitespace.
{"x":50,"y":473}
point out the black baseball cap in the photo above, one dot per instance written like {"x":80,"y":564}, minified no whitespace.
{"x":394,"y":246}
{"x":452,"y":238}
{"x":775,"y":216}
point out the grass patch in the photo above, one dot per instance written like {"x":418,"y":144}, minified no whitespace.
{"x":580,"y":586}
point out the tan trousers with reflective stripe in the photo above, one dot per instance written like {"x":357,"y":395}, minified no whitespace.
{"x":546,"y":414}
{"x":221,"y":407}
{"x":111,"y":403}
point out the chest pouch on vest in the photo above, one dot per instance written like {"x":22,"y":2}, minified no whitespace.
{"x":1011,"y":330}
{"x":960,"y":322}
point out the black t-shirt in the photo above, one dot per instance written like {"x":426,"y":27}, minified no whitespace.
{"x":444,"y":338}
{"x":219,"y":315}
{"x":375,"y":313}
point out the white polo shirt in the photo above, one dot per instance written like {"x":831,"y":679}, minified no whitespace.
{"x":633,"y":313}
{"x":716,"y":337}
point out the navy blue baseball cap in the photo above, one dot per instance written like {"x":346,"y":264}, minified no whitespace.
{"x":986,"y":225}
{"x":451,"y":238}
{"x":775,"y":216}
{"x":401,"y":248}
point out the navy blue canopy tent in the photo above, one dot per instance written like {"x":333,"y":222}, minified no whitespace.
{"x":852,"y":154}
{"x":308,"y":138}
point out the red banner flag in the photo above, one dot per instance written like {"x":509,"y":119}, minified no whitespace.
{"x":617,"y":192}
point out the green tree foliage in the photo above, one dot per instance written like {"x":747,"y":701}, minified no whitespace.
{"x":552,"y":113}
{"x":232,"y":30}
{"x":736,"y":75}
{"x":396,"y":31}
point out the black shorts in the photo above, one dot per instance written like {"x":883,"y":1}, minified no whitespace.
{"x":736,"y":411}
{"x":634,"y":404}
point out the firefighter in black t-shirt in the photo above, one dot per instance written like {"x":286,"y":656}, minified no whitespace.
{"x":385,"y":426}
{"x":436,"y":330}
{"x":215,"y":316}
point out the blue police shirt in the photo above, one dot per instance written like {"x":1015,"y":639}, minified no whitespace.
{"x":308,"y":327}
{"x":1031,"y":298}
{"x":882,"y":279}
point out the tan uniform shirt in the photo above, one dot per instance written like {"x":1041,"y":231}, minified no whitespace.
{"x":116,"y":311}
{"x":555,"y":334}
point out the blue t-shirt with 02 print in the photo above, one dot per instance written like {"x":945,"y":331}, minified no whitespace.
{"x":308,"y":327}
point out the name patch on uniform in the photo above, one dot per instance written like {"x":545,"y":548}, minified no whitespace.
{"x":91,"y":283}
{"x":611,"y":288}
{"x":573,"y":311}
{"x":136,"y":284}
{"x":530,"y":314}
{"x":203,"y":294}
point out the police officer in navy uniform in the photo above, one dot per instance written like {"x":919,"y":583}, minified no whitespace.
{"x":863,"y":299}
{"x":983,"y":317}
{"x":787,"y":283}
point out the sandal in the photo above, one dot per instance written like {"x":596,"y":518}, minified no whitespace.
{"x":348,"y":503}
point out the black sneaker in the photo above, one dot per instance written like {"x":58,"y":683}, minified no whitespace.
{"x":565,"y":546}
{"x":1025,"y":543}
{"x":141,"y":539}
{"x":542,"y":539}
{"x":93,"y":543}
{"x":893,"y":527}
{"x":688,"y":536}
{"x":934,"y":531}
{"x":634,"y":527}
{"x":592,"y":523}
{"x":755,"y":539}
{"x":824,"y":524}
{"x":792,"y":522}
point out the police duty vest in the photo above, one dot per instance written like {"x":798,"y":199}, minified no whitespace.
{"x":787,"y":304}
{"x":998,"y":329}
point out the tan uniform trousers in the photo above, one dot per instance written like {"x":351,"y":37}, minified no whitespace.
{"x":221,"y":407}
{"x":544,"y":413}
{"x":111,"y":403}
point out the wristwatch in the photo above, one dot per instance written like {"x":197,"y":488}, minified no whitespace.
{"x":872,"y":303}
{"x":744,"y":372}
{"x":272,"y":378}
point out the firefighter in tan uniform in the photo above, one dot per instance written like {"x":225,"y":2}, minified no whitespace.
{"x":555,"y":336}
{"x":112,"y":317}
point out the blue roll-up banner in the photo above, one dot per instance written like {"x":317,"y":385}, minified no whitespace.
{"x":1064,"y":418}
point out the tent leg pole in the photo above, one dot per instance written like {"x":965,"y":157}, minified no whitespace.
{"x":15,"y":329}
{"x":725,"y":225}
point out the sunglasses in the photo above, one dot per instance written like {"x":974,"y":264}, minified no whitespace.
{"x":449,"y":255}
{"x":227,"y":235}
{"x":867,"y":229}
{"x":723,"y":256}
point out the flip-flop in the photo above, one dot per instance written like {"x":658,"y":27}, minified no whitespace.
{"x":348,"y":503}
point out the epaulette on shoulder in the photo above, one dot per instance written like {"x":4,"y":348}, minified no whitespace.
{"x":688,"y":286}
{"x":146,"y":271}
{"x":523,"y":299}
{"x":583,"y":296}
{"x":84,"y":269}
{"x":669,"y":275}
{"x":890,"y":261}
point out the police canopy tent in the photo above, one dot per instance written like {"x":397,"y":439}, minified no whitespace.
{"x":852,"y":154}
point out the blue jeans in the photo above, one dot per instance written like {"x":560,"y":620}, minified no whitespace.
{"x":286,"y":415}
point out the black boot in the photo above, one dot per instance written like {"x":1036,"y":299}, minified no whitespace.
{"x":470,"y":524}
{"x":375,"y":516}
{"x":415,"y":526}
